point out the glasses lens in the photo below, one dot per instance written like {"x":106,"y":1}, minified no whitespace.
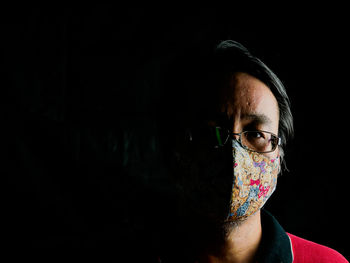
{"x":221,"y":135}
{"x":208,"y":136}
{"x":259,"y":141}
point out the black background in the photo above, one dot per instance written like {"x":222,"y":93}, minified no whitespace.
{"x":79,"y":89}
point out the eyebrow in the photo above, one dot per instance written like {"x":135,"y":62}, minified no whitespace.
{"x":257,"y":118}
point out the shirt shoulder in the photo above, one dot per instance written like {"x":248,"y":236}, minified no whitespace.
{"x":307,"y":251}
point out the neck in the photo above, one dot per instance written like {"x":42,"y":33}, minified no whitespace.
{"x":241,"y":243}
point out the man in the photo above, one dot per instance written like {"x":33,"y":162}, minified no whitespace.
{"x":227,"y":139}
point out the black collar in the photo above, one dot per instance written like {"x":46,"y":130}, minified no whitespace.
{"x":275,"y":244}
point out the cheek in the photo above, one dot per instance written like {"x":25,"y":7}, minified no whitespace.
{"x":273,"y":154}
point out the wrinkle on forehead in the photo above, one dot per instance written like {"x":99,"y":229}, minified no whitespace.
{"x":246,"y":98}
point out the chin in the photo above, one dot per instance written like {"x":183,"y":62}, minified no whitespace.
{"x":229,"y":225}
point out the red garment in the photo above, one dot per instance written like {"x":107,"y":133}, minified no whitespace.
{"x":305,"y":251}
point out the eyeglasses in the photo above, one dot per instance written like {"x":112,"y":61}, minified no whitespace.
{"x":257,"y":141}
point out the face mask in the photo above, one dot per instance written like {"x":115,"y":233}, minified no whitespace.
{"x":254,"y":181}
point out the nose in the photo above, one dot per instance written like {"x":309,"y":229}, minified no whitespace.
{"x":235,"y":136}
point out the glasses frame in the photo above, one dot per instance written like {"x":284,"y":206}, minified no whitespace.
{"x":231,"y":135}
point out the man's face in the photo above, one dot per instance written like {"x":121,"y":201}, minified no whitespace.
{"x":250,"y":105}
{"x":246,"y":104}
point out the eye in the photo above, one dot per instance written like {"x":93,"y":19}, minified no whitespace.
{"x":254,"y":135}
{"x":256,"y":140}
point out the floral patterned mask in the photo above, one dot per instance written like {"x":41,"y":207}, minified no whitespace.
{"x":254,"y":181}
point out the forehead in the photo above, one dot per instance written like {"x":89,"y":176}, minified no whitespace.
{"x":246,"y":96}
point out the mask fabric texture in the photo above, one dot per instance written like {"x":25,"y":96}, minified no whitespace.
{"x":254,"y":181}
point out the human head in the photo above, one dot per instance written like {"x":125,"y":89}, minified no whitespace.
{"x":192,"y":88}
{"x":231,"y":57}
{"x":193,"y":91}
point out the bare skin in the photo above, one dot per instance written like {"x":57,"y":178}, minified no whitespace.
{"x":241,"y":244}
{"x":251,"y":105}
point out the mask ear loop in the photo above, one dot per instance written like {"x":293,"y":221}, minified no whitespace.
{"x":278,"y":157}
